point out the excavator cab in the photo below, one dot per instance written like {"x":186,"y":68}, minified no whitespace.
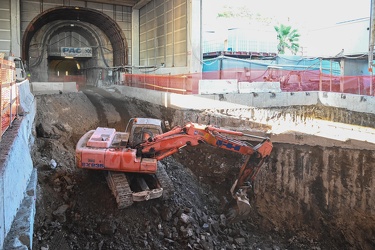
{"x":143,"y":129}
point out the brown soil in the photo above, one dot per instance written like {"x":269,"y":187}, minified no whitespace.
{"x":76,"y":210}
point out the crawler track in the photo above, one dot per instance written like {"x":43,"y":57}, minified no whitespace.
{"x":165,"y":181}
{"x":120,"y":188}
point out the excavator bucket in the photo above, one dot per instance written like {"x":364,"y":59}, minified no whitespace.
{"x":239,"y":209}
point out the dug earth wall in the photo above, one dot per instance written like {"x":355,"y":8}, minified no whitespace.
{"x":318,"y":180}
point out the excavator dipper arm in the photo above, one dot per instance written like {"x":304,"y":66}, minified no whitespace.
{"x":193,"y":134}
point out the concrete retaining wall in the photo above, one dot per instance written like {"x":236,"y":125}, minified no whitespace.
{"x":172,"y":100}
{"x":16,"y":165}
{"x":250,"y":87}
{"x":232,"y":86}
{"x":358,"y":103}
{"x":220,"y":86}
{"x":272,"y":99}
{"x":254,"y":101}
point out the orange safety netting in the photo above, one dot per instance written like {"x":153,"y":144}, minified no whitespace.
{"x":299,"y":80}
{"x":290,"y":81}
{"x":181,"y":84}
{"x":8,"y":95}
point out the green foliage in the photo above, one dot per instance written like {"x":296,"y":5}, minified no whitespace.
{"x":288,"y":39}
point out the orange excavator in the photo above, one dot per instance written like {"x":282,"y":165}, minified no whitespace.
{"x":132,"y":158}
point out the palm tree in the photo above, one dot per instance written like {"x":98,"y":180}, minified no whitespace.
{"x":288,"y":39}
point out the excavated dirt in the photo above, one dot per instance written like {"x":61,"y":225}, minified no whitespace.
{"x":76,"y":210}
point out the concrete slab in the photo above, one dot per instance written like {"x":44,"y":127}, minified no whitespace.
{"x":39,"y":88}
{"x":256,"y":87}
{"x":172,"y":100}
{"x":218,"y":86}
{"x":269,"y":99}
{"x":358,"y":103}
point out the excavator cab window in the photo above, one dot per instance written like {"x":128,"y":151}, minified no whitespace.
{"x":147,"y":134}
{"x":141,"y":129}
{"x":142,"y":134}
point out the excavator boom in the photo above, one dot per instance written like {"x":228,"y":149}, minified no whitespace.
{"x":193,"y":134}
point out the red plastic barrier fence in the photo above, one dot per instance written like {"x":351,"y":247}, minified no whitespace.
{"x":290,"y":81}
{"x":180,"y":84}
{"x":8,"y":95}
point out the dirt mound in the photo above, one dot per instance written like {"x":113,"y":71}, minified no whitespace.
{"x":76,"y":210}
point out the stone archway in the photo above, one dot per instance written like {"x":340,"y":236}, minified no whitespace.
{"x":106,"y":24}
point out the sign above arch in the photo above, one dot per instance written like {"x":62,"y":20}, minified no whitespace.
{"x":76,"y":51}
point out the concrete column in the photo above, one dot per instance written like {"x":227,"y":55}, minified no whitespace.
{"x":342,"y":75}
{"x":135,"y":38}
{"x":15,"y":34}
{"x":194,"y":36}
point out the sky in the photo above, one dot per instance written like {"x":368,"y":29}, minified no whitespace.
{"x":310,"y":13}
{"x":313,"y":19}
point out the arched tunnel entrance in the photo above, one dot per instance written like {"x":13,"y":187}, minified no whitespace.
{"x":60,"y":69}
{"x":73,"y":44}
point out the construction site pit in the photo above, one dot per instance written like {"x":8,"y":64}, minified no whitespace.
{"x":305,"y":196}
